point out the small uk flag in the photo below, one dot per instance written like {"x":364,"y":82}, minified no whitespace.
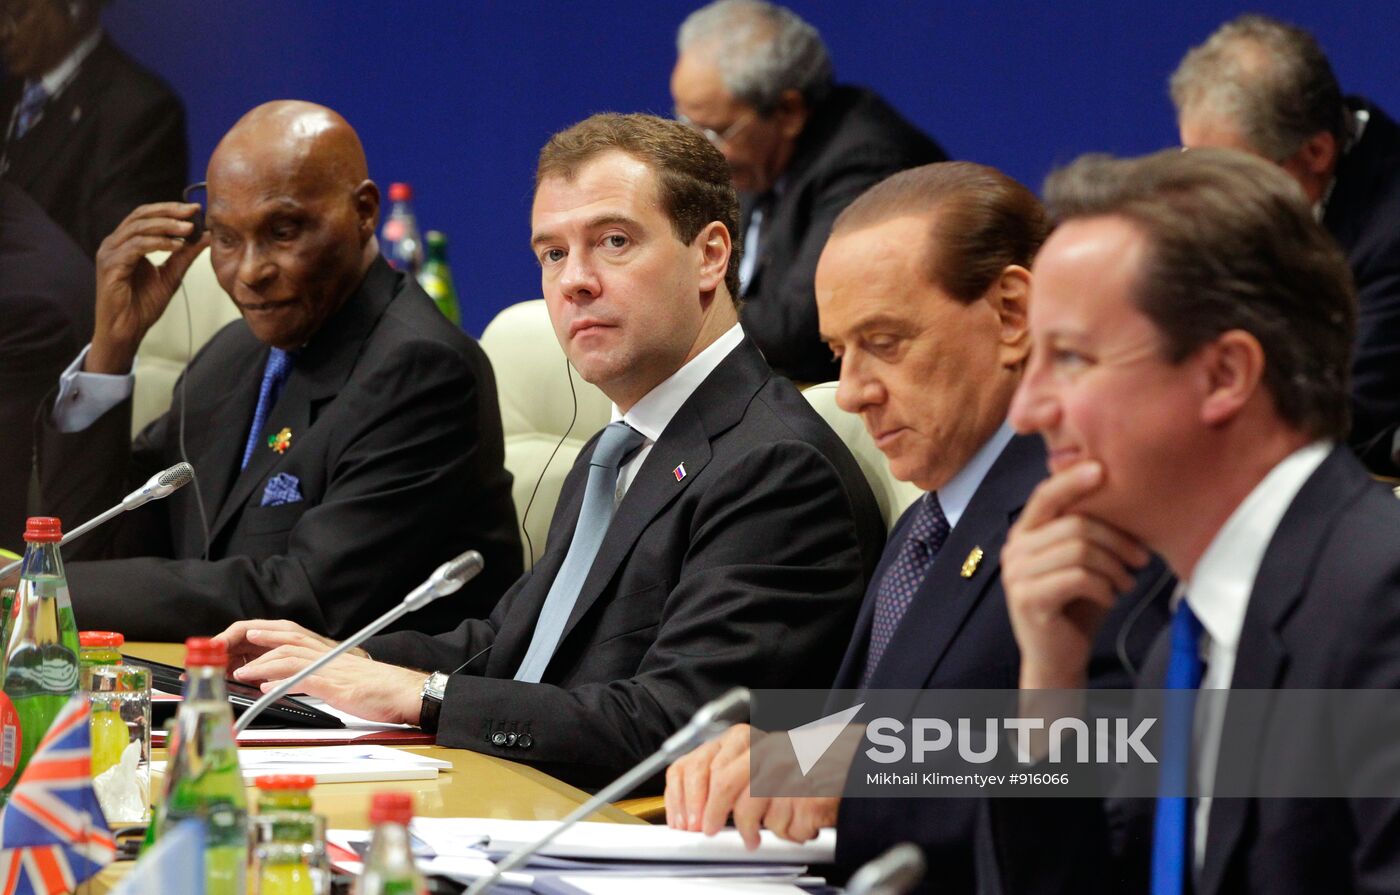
{"x":679,"y":472}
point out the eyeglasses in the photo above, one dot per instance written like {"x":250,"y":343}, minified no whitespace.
{"x":720,"y":138}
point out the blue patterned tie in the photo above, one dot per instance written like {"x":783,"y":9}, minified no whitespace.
{"x":928,"y":529}
{"x":616,"y":446}
{"x":31,"y":105}
{"x":279,"y":365}
{"x":1171,"y":852}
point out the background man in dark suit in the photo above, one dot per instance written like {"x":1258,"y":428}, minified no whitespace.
{"x":923,"y":290}
{"x":1266,"y":87}
{"x":89,"y":133}
{"x":743,"y":529}
{"x":345,"y":438}
{"x":46,"y":303}
{"x":1192,"y":327}
{"x":756,"y":80}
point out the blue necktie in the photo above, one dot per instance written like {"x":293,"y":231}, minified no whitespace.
{"x":31,"y":106}
{"x":928,"y":529}
{"x":279,"y":366}
{"x":1171,"y":852}
{"x":617,"y":444}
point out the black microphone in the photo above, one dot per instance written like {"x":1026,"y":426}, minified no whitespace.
{"x":448,"y":578}
{"x":893,"y":873}
{"x":162,"y":484}
{"x":713,"y":719}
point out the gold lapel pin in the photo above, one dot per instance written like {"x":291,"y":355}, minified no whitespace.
{"x":974,"y":559}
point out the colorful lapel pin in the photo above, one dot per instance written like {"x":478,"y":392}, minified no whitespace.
{"x":281,"y":441}
{"x":679,"y":472}
{"x":974,"y":559}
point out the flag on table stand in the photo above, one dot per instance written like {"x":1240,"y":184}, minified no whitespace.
{"x":174,"y":864}
{"x":52,"y":833}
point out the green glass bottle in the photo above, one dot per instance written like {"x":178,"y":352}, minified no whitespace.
{"x":203,"y":778}
{"x":436,"y":278}
{"x":41,"y":654}
{"x":389,"y":866}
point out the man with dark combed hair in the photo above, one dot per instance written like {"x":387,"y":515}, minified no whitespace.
{"x":1266,"y":87}
{"x":716,"y":534}
{"x":1192,"y":326}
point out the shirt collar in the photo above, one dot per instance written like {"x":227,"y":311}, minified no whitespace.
{"x":56,"y":79}
{"x":957,"y":494}
{"x":653,"y":412}
{"x":1219,"y":588}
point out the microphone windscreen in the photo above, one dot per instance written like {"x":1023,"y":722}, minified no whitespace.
{"x":464,"y":567}
{"x":896,"y":871}
{"x":177,"y":476}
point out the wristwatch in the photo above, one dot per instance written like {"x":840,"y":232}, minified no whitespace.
{"x":434,"y":688}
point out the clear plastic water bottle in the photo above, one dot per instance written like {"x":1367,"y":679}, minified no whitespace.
{"x":400,"y":241}
{"x":41,"y":655}
{"x":203,"y":779}
{"x":436,"y":278}
{"x":389,"y":867}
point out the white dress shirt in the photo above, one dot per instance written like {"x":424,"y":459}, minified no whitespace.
{"x":83,"y":397}
{"x":1218,"y":593}
{"x":654,"y":411}
{"x":957,"y":494}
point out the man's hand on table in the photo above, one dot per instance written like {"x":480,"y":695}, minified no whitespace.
{"x":266,"y":652}
{"x":711,"y":783}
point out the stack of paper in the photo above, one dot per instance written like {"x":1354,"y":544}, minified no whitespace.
{"x":601,"y":857}
{"x":336,"y":764}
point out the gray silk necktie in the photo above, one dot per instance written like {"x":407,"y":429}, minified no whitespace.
{"x":617,"y":444}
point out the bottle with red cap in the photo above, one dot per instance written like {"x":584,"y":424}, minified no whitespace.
{"x":202,"y":778}
{"x":41,"y":652}
{"x":399,"y":240}
{"x":389,"y":866}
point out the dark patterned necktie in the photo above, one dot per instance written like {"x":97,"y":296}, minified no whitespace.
{"x":31,"y":106}
{"x":928,"y":529}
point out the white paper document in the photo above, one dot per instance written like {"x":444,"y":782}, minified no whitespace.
{"x":336,"y":764}
{"x":620,"y":842}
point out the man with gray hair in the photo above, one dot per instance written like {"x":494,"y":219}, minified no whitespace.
{"x":756,"y":80}
{"x":1266,"y":87}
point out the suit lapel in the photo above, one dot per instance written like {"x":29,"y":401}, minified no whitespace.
{"x":318,"y":374}
{"x":65,"y":116}
{"x":946,"y":598}
{"x":1262,"y":658}
{"x":711,"y":410}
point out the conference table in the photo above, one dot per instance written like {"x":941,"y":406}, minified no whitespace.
{"x":476,"y":786}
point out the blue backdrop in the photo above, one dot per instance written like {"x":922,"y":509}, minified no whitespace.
{"x":457,"y":97}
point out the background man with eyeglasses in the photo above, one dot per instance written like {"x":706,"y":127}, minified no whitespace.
{"x":89,"y":134}
{"x":756,"y":80}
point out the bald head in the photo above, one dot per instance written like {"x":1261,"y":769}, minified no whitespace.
{"x":292,"y":216}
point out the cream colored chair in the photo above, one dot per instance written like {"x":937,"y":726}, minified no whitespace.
{"x":891,"y":494}
{"x":176,"y":338}
{"x":536,"y":409}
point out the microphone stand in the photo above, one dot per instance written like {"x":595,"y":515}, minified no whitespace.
{"x":446,"y":579}
{"x":162,"y":484}
{"x":710,"y":721}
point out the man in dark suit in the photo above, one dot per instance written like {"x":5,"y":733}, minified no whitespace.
{"x":345,"y":438}
{"x":90,"y":134}
{"x":1192,"y":325}
{"x":717,"y":534}
{"x":756,"y":80}
{"x":923,"y":293}
{"x":1266,"y":87}
{"x":46,"y":303}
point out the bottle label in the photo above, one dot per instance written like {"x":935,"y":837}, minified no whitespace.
{"x":9,"y":739}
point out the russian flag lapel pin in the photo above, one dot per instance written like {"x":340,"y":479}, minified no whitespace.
{"x":679,"y":472}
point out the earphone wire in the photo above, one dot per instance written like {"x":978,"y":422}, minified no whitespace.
{"x":184,"y":383}
{"x":573,"y":395}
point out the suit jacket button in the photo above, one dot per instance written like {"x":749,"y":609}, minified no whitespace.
{"x":525,"y":741}
{"x":498,"y":738}
{"x":511,"y":739}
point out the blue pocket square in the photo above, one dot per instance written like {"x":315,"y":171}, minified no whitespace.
{"x":281,"y":489}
